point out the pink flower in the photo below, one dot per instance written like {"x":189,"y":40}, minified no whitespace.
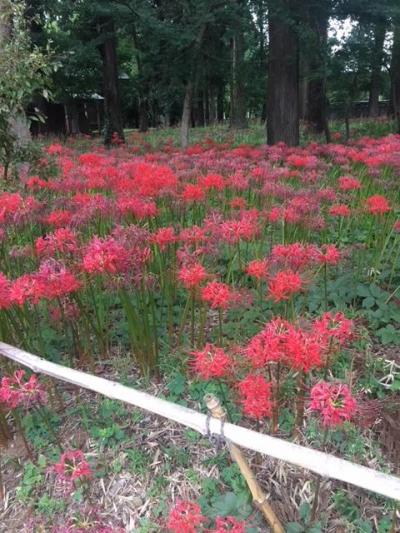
{"x":340,"y":210}
{"x":328,"y":255}
{"x":105,"y":255}
{"x":333,"y":401}
{"x":192,"y":276}
{"x":257,"y":268}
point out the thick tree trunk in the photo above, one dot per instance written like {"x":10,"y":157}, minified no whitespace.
{"x":395,"y":75}
{"x":316,"y":113}
{"x":283,"y":75}
{"x":376,"y":70}
{"x":238,"y":92}
{"x":112,"y":112}
{"x":186,"y":115}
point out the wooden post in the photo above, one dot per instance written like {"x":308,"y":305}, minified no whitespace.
{"x":259,"y":498}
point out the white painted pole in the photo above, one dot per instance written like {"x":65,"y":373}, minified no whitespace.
{"x":321,"y":463}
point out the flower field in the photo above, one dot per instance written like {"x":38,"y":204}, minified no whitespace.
{"x":264,"y":274}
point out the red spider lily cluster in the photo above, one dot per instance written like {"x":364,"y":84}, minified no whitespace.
{"x":16,"y":391}
{"x":104,"y":237}
{"x":186,"y":517}
{"x":333,"y":402}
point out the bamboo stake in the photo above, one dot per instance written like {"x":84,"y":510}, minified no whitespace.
{"x":319,"y":462}
{"x":259,"y":498}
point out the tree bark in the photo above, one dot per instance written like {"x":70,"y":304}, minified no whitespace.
{"x":238,"y":91}
{"x":112,"y":111}
{"x":395,"y":74}
{"x":283,"y":75}
{"x":376,"y":69}
{"x":316,"y":113}
{"x":186,"y":115}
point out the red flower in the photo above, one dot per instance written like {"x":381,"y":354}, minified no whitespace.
{"x":377,"y":205}
{"x":257,"y":268}
{"x":334,"y":328}
{"x":58,"y":218}
{"x":295,"y":256}
{"x":193,"y":193}
{"x":105,"y":255}
{"x":229,"y":523}
{"x":348,"y":183}
{"x":63,"y":240}
{"x":212,"y":181}
{"x":14,"y":391}
{"x":255,"y":396}
{"x":303,"y":350}
{"x":5,"y":294}
{"x":218,"y":295}
{"x":185,"y":517}
{"x":55,"y":280}
{"x":72,"y":465}
{"x":164,"y":237}
{"x":329,"y":255}
{"x":396,"y":226}
{"x":340,"y":210}
{"x":212,"y":362}
{"x":333,"y":401}
{"x":269,"y":344}
{"x":284,"y":285}
{"x":192,"y":276}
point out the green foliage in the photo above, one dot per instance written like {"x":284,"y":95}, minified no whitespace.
{"x":32,"y":478}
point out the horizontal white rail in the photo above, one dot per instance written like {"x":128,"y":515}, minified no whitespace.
{"x":319,"y":462}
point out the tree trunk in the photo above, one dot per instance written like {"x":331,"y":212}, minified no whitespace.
{"x":112,"y":112}
{"x":395,"y":75}
{"x":186,"y":115}
{"x":316,"y":114}
{"x":238,"y":93}
{"x":376,"y":69}
{"x":143,"y":115}
{"x":283,"y":75}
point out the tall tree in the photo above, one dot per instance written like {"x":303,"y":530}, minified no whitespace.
{"x":238,"y":95}
{"x":395,"y":73}
{"x":377,"y":56}
{"x":316,"y":54}
{"x":283,"y":73}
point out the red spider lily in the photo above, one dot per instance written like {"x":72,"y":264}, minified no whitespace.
{"x":377,"y":205}
{"x":340,"y":210}
{"x":55,"y":280}
{"x":58,"y":218}
{"x":284,"y":285}
{"x":164,"y":237}
{"x":72,"y":465}
{"x":212,"y":181}
{"x":192,"y":276}
{"x":334,"y":402}
{"x":5,"y":292}
{"x":295,"y":256}
{"x":348,"y":183}
{"x":193,"y":193}
{"x":238,"y":203}
{"x":27,"y":288}
{"x":211,"y":362}
{"x":217,"y":294}
{"x":105,"y":255}
{"x":303,"y":350}
{"x":255,"y":396}
{"x":328,"y":255}
{"x":269,"y":344}
{"x":137,"y":207}
{"x":334,"y":328}
{"x":55,"y":149}
{"x":63,"y":240}
{"x":258,"y":268}
{"x":185,"y":517}
{"x":229,"y":523}
{"x":396,"y":226}
{"x":15,"y":392}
